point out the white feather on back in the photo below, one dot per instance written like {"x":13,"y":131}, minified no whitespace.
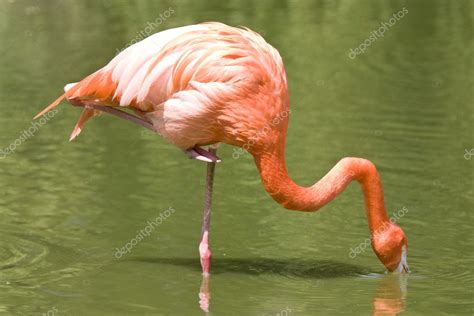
{"x":130,"y":67}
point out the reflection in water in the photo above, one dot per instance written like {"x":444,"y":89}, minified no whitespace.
{"x":388,"y":299}
{"x":390,"y":296}
{"x":406,"y":103}
{"x":306,"y":269}
{"x":205,"y":293}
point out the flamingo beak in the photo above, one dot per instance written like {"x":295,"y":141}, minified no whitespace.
{"x":403,"y":265}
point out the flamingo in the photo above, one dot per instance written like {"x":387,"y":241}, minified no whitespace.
{"x":201,"y":85}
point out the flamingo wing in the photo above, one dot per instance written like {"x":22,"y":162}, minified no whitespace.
{"x":180,"y":75}
{"x":125,"y":81}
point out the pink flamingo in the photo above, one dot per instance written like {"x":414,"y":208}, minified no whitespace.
{"x":210,"y":83}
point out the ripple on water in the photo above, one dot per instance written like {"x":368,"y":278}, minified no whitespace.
{"x":18,"y":256}
{"x":20,"y":260}
{"x":28,"y":261}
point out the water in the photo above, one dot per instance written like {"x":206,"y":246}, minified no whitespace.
{"x":405,"y":103}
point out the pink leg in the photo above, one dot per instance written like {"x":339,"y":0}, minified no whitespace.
{"x":205,"y":254}
{"x":204,"y":251}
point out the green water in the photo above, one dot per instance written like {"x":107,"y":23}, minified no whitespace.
{"x":406,"y":103}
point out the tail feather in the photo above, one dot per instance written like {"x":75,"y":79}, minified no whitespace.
{"x":69,"y":89}
{"x":86,"y":114}
{"x":49,"y":107}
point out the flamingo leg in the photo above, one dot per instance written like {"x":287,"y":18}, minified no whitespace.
{"x":123,"y":115}
{"x":204,"y":251}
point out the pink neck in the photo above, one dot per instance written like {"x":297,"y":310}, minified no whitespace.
{"x":275,"y":178}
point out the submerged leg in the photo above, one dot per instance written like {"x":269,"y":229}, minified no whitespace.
{"x":204,"y":251}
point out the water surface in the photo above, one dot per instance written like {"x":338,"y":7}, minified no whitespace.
{"x":405,"y":103}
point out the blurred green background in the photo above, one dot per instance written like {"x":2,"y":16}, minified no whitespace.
{"x":406,"y":103}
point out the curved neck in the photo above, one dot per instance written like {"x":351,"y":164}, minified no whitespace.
{"x":275,"y":178}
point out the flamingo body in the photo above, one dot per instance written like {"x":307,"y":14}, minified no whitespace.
{"x":198,"y":85}
{"x":212,"y":83}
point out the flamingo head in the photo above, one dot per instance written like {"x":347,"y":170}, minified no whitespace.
{"x":390,"y":246}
